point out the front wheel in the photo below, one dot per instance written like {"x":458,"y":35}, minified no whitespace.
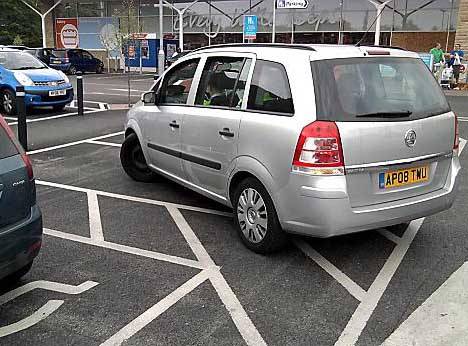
{"x":133,"y":161}
{"x":16,"y":276}
{"x":256,"y":219}
{"x":8,"y":102}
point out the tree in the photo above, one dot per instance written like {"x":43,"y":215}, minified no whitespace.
{"x":16,"y":19}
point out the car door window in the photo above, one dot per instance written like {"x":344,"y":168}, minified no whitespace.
{"x":269,"y":90}
{"x":87,"y":56}
{"x":223,"y":82}
{"x":176,"y":85}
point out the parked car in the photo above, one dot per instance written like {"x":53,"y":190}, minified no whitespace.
{"x":47,"y":56}
{"x":80,"y":60}
{"x":20,"y":216}
{"x":44,"y":86}
{"x":313,"y":140}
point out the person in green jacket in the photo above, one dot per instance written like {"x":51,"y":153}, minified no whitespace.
{"x":438,"y":54}
{"x":439,"y":60}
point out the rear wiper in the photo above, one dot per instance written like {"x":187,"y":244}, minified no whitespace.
{"x":401,"y":114}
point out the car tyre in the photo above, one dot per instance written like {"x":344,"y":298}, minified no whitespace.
{"x":16,"y":276}
{"x":133,"y":160}
{"x":99,"y":69}
{"x":256,"y":218}
{"x":8,"y":102}
{"x":72,"y":70}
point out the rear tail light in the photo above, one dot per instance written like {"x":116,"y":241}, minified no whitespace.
{"x":456,"y":143}
{"x":318,"y":150}
{"x":24,"y":156}
{"x":66,"y":60}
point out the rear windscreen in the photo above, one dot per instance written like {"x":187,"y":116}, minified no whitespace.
{"x":355,"y":89}
{"x":7,"y":148}
{"x":60,"y":53}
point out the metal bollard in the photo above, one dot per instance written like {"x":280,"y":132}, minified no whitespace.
{"x":79,"y":91}
{"x":21,"y":112}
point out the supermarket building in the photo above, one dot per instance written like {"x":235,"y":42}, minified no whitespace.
{"x":411,"y":24}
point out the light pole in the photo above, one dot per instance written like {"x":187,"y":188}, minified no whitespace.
{"x":181,"y":21}
{"x":379,"y":7}
{"x":161,"y":59}
{"x":43,"y":16}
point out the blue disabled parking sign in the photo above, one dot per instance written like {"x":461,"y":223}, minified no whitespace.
{"x":250,"y":27}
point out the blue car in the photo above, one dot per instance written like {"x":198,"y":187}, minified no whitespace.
{"x":20,"y":217}
{"x":44,"y":86}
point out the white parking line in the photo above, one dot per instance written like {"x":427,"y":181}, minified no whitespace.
{"x":156,"y":310}
{"x":352,"y":287}
{"x":31,"y":320}
{"x":390,"y":236}
{"x":55,"y":117}
{"x":109,"y":144}
{"x":95,"y":225}
{"x":83,"y":141}
{"x":134,"y":199}
{"x":358,"y":321}
{"x":49,"y":286}
{"x":126,"y":249}
{"x":242,"y":321}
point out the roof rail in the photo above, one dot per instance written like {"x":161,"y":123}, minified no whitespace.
{"x":382,"y":46}
{"x":264,"y":45}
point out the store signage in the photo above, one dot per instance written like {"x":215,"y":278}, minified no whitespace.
{"x":250,"y":27}
{"x":131,"y":52}
{"x":292,"y":4}
{"x":66,"y":33}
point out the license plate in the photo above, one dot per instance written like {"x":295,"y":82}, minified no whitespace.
{"x":403,"y":177}
{"x":57,"y":92}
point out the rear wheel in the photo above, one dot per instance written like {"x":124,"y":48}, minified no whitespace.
{"x":99,"y":69}
{"x":72,"y":70}
{"x":133,"y":161}
{"x":256,"y":219}
{"x":8,"y":102}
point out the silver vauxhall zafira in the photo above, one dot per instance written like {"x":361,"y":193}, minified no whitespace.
{"x":309,"y":139}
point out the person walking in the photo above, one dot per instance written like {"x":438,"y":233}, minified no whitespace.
{"x":456,"y":59}
{"x":438,"y":60}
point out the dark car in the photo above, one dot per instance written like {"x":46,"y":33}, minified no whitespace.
{"x":20,"y":216}
{"x":80,"y":60}
{"x":47,"y":56}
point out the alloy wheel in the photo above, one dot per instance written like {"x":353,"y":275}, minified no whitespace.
{"x":7,"y":103}
{"x":252,"y":215}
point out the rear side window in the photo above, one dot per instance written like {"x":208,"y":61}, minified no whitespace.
{"x":222,"y":83}
{"x":176,"y":85}
{"x":376,"y":89}
{"x":269,"y":89}
{"x":7,"y":148}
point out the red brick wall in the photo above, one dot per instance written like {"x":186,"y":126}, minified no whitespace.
{"x":422,"y":41}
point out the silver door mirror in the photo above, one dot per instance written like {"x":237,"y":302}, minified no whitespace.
{"x":148,"y":98}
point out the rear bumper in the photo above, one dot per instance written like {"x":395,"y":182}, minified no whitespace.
{"x":327,"y":212}
{"x":20,"y":243}
{"x":60,"y":67}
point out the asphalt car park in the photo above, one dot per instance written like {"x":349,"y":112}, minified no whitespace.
{"x":157,"y":264}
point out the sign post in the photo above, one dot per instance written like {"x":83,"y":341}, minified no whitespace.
{"x":250,"y":27}
{"x":287,"y":4}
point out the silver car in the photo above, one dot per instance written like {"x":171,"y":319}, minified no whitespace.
{"x":315,"y":140}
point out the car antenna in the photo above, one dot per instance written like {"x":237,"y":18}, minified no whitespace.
{"x":368,"y":29}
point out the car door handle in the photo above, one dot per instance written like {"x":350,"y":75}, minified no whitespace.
{"x":174,"y":125}
{"x":226,"y":133}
